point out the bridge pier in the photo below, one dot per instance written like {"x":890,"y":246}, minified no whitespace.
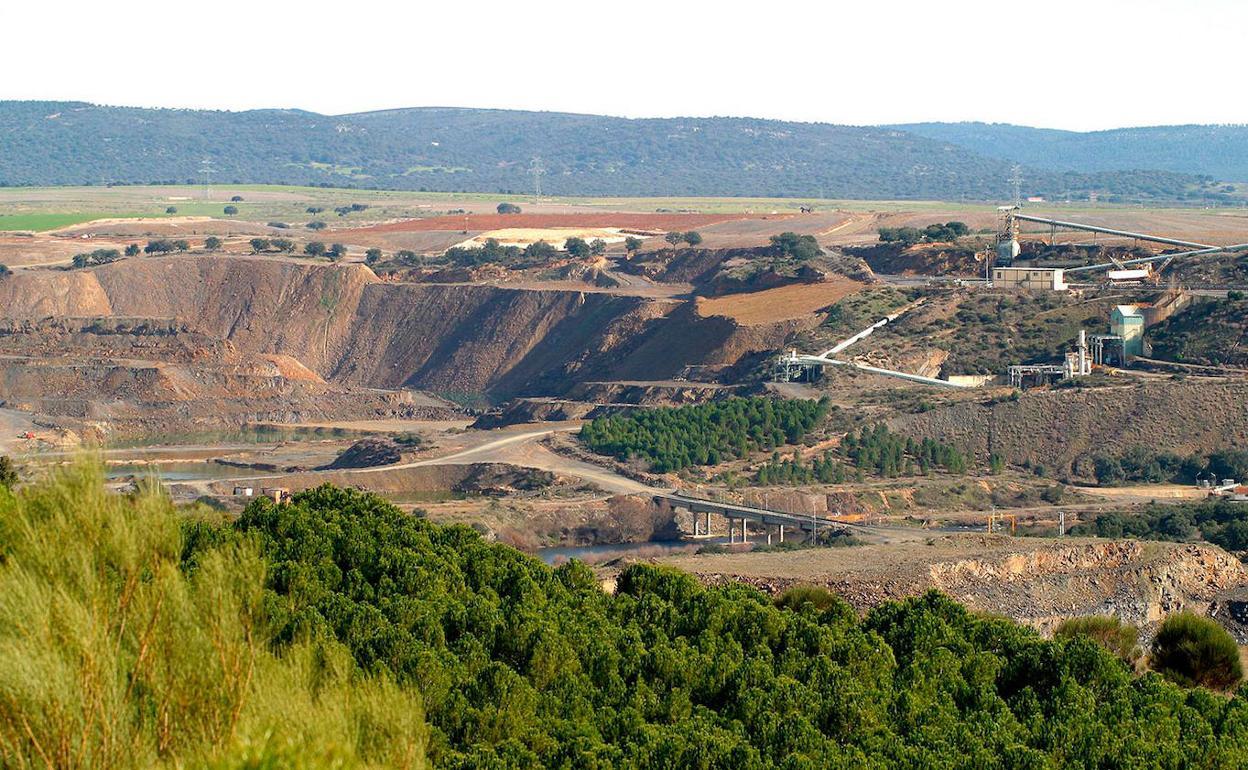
{"x":781,"y":533}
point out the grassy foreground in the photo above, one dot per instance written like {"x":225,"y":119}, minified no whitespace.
{"x":310,"y":634}
{"x":116,"y":654}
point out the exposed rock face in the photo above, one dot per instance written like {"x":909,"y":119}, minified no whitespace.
{"x":1138,"y":582}
{"x":1037,"y":582}
{"x":526,"y":410}
{"x":1057,"y":428}
{"x":346,"y":325}
{"x":129,"y":377}
{"x":367,"y":453}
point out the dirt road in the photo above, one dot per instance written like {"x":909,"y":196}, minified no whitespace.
{"x":519,"y":448}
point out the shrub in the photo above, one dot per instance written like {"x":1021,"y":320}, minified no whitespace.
{"x":118,"y":654}
{"x":802,"y":596}
{"x":1111,"y":633}
{"x":8,"y":474}
{"x":1191,"y":651}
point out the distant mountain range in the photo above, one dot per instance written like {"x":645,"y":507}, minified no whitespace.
{"x":471,"y":150}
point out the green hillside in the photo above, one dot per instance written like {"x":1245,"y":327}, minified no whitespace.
{"x":467,"y":150}
{"x":1217,"y":151}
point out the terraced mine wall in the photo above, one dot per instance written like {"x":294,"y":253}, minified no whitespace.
{"x":345,"y":324}
{"x":1058,"y":428}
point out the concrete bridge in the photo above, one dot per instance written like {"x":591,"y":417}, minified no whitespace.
{"x":772,"y":522}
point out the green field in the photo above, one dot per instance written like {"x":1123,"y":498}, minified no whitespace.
{"x":42,"y":221}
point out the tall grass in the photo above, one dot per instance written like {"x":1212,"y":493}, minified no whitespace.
{"x":113,"y":654}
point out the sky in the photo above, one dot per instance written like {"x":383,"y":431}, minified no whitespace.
{"x":1083,"y":65}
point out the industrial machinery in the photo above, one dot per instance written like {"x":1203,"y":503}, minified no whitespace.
{"x":1007,"y":248}
{"x":794,"y":366}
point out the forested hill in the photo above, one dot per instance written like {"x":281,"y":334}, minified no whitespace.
{"x":1218,"y":151}
{"x":48,"y":143}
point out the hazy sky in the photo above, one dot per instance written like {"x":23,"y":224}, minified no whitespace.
{"x":1083,"y":64}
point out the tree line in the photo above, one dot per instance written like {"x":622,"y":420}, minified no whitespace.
{"x":935,"y":233}
{"x":878,"y":450}
{"x":1144,"y":465}
{"x":1221,"y":522}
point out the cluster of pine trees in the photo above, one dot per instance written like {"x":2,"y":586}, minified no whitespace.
{"x":880,"y":451}
{"x":671,"y":439}
{"x":826,"y":469}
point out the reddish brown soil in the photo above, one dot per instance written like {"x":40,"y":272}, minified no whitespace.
{"x":654,"y":222}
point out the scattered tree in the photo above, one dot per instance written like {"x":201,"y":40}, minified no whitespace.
{"x":372,"y":256}
{"x":171,"y":210}
{"x":236,"y":199}
{"x":97,"y":257}
{"x":597,"y":247}
{"x":576,"y":247}
{"x":230,"y":210}
{"x":314,"y":249}
{"x":675,"y":239}
{"x":283,"y":245}
{"x":799,"y":247}
{"x":508,"y":208}
{"x":133,"y":250}
{"x":540,"y":251}
{"x":693,"y":238}
{"x":259,"y":244}
{"x":336,"y":252}
{"x":632,"y":244}
{"x":996,"y":464}
{"x":212,"y":243}
{"x":316,"y":225}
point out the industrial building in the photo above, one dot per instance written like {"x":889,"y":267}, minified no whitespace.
{"x":1029,"y":278}
{"x":1127,"y":322}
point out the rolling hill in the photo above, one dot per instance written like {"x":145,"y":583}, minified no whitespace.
{"x":471,"y":150}
{"x":1217,"y":151}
